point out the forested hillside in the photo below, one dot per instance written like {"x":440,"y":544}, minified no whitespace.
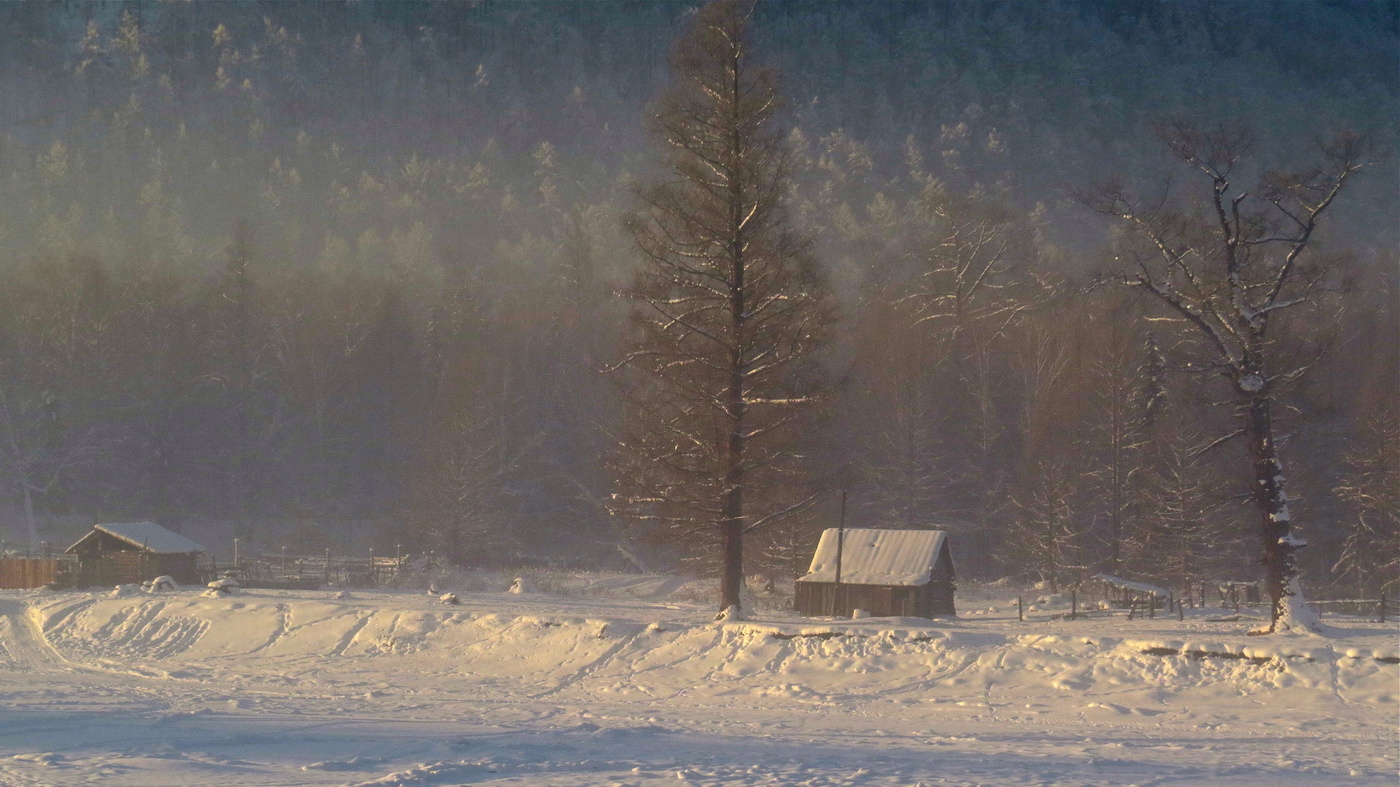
{"x":286,"y":268}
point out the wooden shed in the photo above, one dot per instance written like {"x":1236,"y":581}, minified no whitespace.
{"x":133,"y":552}
{"x":905,"y":573}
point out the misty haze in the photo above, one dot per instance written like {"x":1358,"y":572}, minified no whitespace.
{"x":792,"y":392}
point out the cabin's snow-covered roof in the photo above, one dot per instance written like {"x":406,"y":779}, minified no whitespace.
{"x":1128,"y":584}
{"x":878,"y":557}
{"x":149,"y":536}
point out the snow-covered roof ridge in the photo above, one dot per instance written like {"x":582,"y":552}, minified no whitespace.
{"x":877,"y":557}
{"x":1128,"y":584}
{"x":150,"y":537}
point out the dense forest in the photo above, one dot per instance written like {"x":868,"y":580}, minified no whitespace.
{"x":346,"y":274}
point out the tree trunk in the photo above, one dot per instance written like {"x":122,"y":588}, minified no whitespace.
{"x":1287,"y":608}
{"x":732,"y":574}
{"x":29,"y":521}
{"x":732,"y":537}
{"x":732,"y":526}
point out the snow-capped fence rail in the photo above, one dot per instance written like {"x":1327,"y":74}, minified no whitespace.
{"x":297,"y":571}
{"x":1072,"y":606}
{"x":1380,"y":608}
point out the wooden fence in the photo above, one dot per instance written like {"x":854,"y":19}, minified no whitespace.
{"x":1380,"y":608}
{"x":274,"y":570}
{"x":23,"y":573}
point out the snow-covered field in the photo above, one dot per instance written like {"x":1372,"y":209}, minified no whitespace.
{"x":625,"y":685}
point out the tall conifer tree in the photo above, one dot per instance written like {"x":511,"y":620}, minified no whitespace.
{"x":729,"y":309}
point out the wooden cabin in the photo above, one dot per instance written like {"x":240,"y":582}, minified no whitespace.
{"x":133,"y":552}
{"x":887,"y":573}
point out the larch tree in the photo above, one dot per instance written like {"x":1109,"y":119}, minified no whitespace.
{"x":1230,"y":266}
{"x":729,"y":310}
{"x":1180,"y":533}
{"x":1047,"y":528}
{"x":1046,"y":536}
{"x":1115,"y":436}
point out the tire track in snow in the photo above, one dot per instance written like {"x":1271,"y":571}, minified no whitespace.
{"x":587,"y":670}
{"x":23,"y":634}
{"x":349,"y":638}
{"x":284,"y":619}
{"x":148,"y":635}
{"x":23,"y":642}
{"x":69,"y":612}
{"x":967,"y":660}
{"x":172,"y":636}
{"x":991,"y":680}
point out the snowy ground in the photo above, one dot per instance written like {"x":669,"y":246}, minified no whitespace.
{"x":301,"y":688}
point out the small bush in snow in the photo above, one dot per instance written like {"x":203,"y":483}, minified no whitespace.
{"x":450,"y":599}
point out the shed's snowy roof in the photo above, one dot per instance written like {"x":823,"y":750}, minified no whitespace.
{"x":878,"y":557}
{"x":149,"y":536}
{"x":1128,"y":584}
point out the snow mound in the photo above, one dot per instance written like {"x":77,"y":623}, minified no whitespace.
{"x":398,"y":640}
{"x":160,"y":583}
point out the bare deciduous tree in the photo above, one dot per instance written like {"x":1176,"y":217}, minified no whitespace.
{"x":1229,"y":266}
{"x":729,"y":310}
{"x":1371,"y":491}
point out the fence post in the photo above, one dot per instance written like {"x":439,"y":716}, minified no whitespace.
{"x":328,"y":565}
{"x":1381,"y":605}
{"x":1073,"y":604}
{"x":1180,"y":612}
{"x":1021,"y":610}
